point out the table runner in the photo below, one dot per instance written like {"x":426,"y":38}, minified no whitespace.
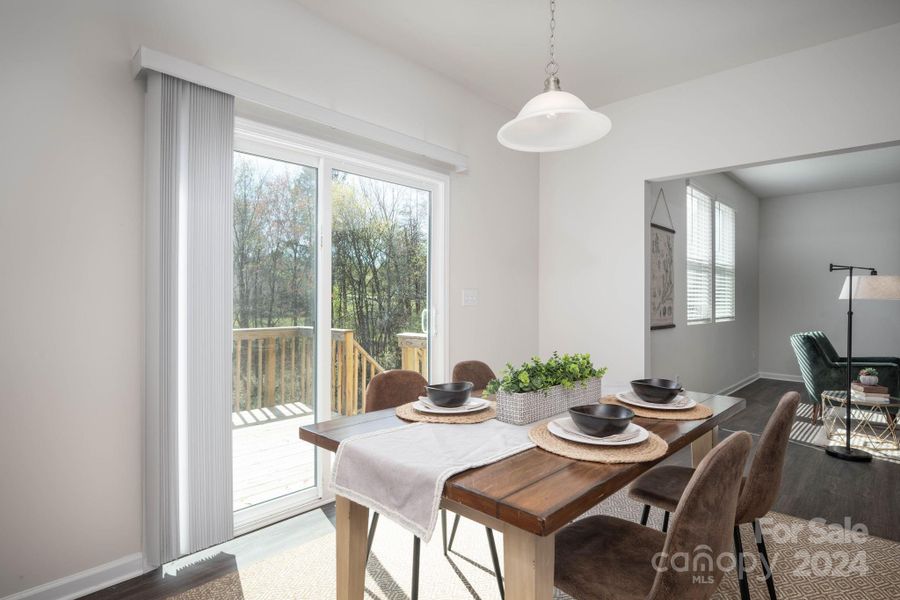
{"x":400,"y":472}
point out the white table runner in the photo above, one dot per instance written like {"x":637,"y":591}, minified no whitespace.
{"x":400,"y":472}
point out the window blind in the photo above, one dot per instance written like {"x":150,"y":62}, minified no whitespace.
{"x":725,"y":262}
{"x":699,"y":256}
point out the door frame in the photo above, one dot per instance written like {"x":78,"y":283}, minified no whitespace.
{"x":265,"y":140}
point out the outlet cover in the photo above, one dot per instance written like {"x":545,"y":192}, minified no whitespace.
{"x":470,"y":297}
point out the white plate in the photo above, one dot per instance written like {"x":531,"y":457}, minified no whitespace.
{"x":633,"y":399}
{"x":563,"y":428}
{"x":471,"y":405}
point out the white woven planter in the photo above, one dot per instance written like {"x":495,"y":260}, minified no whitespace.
{"x":521,"y":409}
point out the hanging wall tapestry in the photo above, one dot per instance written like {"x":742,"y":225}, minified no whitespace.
{"x":662,"y":275}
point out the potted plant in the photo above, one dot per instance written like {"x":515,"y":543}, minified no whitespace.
{"x":868,"y":376}
{"x":540,"y":389}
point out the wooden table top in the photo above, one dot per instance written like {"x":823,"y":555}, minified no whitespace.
{"x":536,"y":490}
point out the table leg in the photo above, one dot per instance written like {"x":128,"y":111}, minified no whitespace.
{"x":352,"y":520}
{"x":703,"y":444}
{"x":528,"y":564}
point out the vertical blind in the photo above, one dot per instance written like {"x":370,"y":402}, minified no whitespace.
{"x":710,"y":258}
{"x":699,"y":256}
{"x":724,"y":254}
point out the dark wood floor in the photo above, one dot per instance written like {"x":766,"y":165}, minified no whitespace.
{"x":814,"y":486}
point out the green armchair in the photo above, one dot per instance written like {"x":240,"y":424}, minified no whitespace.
{"x":823,"y":369}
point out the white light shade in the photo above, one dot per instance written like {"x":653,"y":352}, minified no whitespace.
{"x":552,"y":121}
{"x":872,"y":287}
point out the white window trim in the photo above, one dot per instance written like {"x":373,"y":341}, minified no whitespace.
{"x":712,"y":320}
{"x":265,"y":140}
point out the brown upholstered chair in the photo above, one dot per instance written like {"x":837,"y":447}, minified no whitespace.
{"x":662,"y":487}
{"x":606,"y":558}
{"x":390,"y":390}
{"x":479,"y":373}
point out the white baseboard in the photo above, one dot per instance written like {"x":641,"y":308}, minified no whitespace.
{"x":736,"y":386}
{"x":85,"y":582}
{"x":781,"y":376}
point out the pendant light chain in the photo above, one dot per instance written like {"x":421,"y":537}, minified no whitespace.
{"x":552,"y":67}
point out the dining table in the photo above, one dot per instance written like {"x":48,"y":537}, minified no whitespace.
{"x":527,"y":497}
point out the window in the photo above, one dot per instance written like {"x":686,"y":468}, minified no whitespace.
{"x":710,"y":259}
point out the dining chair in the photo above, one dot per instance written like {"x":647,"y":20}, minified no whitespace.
{"x":662,"y":487}
{"x":391,"y":389}
{"x":607,"y":558}
{"x":479,"y":373}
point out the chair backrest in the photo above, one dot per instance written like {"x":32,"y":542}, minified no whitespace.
{"x":701,"y":530}
{"x":394,"y":388}
{"x":764,"y":479}
{"x":816,"y":358}
{"x":479,"y":373}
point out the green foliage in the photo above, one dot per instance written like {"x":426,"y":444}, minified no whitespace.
{"x":533,"y":376}
{"x":869,"y":371}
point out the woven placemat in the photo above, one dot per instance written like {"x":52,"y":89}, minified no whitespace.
{"x":655,"y":447}
{"x":701,"y":411}
{"x":408,"y":413}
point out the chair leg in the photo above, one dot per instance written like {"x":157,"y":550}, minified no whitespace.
{"x":453,"y":533}
{"x":665,"y":522}
{"x":371,"y":535}
{"x":444,"y":529}
{"x":496,"y":560}
{"x":415,"y":568}
{"x":739,"y":564}
{"x":645,"y":514}
{"x":767,"y":567}
{"x":816,"y":412}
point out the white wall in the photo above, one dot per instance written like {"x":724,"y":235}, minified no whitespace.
{"x":70,"y":234}
{"x":799,"y":236}
{"x":593,"y":235}
{"x":711,"y":356}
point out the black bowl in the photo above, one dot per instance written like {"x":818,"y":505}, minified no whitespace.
{"x":601,"y":420}
{"x":656,"y":391}
{"x":449,"y":395}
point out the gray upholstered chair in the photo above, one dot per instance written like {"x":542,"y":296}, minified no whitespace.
{"x":479,"y":373}
{"x":823,"y":369}
{"x":605,"y":558}
{"x":390,"y":390}
{"x":663,"y":487}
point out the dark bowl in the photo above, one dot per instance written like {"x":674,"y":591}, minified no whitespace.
{"x":449,"y":395}
{"x":656,"y":391}
{"x":601,"y":420}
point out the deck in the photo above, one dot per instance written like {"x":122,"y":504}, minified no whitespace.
{"x":269,"y":459}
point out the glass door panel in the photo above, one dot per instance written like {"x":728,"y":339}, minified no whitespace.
{"x":274,"y":347}
{"x":380,"y":242}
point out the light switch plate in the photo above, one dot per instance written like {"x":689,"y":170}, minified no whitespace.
{"x":470,"y":297}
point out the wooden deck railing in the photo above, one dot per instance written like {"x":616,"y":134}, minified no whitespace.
{"x":414,"y":352}
{"x":274,"y":366}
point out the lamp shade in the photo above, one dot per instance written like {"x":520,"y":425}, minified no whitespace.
{"x":872,"y":287}
{"x":551,"y":121}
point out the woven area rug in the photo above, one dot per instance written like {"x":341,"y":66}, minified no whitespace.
{"x":810,"y":561}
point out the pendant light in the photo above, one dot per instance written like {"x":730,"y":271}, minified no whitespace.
{"x":554,"y":120}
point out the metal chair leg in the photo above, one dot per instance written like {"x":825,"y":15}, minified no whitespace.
{"x":415,"y":568}
{"x":444,"y":529}
{"x":371,"y":535}
{"x":453,"y":533}
{"x":496,"y":560}
{"x":739,"y":564}
{"x":767,"y":567}
{"x":645,"y":514}
{"x":666,"y":522}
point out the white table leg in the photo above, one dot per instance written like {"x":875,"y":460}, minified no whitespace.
{"x":352,"y":520}
{"x":528,"y":564}
{"x":702,"y":445}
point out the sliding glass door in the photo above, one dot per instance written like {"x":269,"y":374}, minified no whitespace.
{"x":338,"y":276}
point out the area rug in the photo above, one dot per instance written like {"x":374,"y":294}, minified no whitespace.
{"x":810,"y":560}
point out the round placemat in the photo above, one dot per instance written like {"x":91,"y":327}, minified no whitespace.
{"x":408,"y":413}
{"x":700,"y":411}
{"x":651,"y":449}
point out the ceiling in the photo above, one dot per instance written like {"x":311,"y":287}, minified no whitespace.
{"x":834,"y":172}
{"x":607,"y":49}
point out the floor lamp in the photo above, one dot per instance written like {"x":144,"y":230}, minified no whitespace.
{"x":869,"y":287}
